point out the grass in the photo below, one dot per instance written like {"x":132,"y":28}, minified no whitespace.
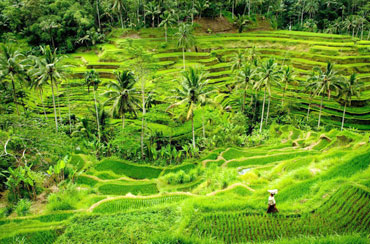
{"x":33,"y":237}
{"x":262,"y":160}
{"x":130,"y":170}
{"x":185,"y":167}
{"x":122,"y":205}
{"x":84,"y":180}
{"x":120,"y":227}
{"x":135,"y":189}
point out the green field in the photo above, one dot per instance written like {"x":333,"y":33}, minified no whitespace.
{"x":323,"y":192}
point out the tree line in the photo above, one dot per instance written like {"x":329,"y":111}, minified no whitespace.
{"x":68,"y":24}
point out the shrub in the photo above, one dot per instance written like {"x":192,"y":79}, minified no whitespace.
{"x":23,"y":207}
{"x":181,"y":177}
{"x":65,"y":199}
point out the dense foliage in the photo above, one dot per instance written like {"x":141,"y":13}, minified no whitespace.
{"x":68,"y":24}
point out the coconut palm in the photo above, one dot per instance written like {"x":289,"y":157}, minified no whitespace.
{"x":312,"y":7}
{"x":312,"y":88}
{"x":244,"y":79}
{"x":11,"y":65}
{"x":50,"y":68}
{"x":123,"y":94}
{"x":168,"y":19}
{"x":201,"y":5}
{"x":287,"y":78}
{"x":185,"y":38}
{"x":269,"y":74}
{"x":351,"y":88}
{"x":152,"y":9}
{"x":237,"y":60}
{"x":92,"y":79}
{"x":192,"y":93}
{"x":118,"y":7}
{"x":38,"y":85}
{"x":327,"y":82}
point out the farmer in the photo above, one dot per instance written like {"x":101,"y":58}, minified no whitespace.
{"x":272,"y":203}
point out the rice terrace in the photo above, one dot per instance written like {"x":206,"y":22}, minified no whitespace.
{"x":186,"y":121}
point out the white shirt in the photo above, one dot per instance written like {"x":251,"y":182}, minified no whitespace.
{"x":271,"y":200}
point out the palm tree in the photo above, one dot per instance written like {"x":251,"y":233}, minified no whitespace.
{"x":50,"y":68}
{"x":201,"y":5}
{"x":327,"y":82}
{"x":244,"y":79}
{"x":168,"y":19}
{"x":92,"y":79}
{"x":269,"y":74}
{"x":287,"y":78}
{"x":312,"y":87}
{"x":193,"y":92}
{"x":312,"y":7}
{"x":237,"y":60}
{"x":38,"y":85}
{"x":185,"y":38}
{"x":123,"y":94}
{"x":351,"y":88}
{"x":118,"y":7}
{"x":98,"y":14}
{"x":11,"y":65}
{"x":152,"y":9}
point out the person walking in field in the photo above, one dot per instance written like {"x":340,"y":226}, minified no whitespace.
{"x":271,"y":202}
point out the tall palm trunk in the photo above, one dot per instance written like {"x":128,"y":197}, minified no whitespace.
{"x":57,"y":90}
{"x":183,"y":56}
{"x":302,"y":13}
{"x":244,"y":95}
{"x":121,"y":19}
{"x":322,"y":98}
{"x":268,"y":109}
{"x":232,"y":9}
{"x":55,"y":109}
{"x":263,"y":109}
{"x":286,"y":87}
{"x":165,"y":31}
{"x":344,"y":114}
{"x":123,"y":121}
{"x":192,"y":128}
{"x":153,"y":20}
{"x":97,"y":116}
{"x":142,"y":119}
{"x":43,"y":106}
{"x":309,"y":107}
{"x":15,"y":95}
{"x":97,"y":12}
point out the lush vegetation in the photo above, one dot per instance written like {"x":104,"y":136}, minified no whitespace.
{"x":169,"y":121}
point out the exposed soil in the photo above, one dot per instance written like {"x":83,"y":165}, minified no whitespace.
{"x":216,"y":25}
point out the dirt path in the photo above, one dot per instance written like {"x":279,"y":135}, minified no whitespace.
{"x":219,"y":157}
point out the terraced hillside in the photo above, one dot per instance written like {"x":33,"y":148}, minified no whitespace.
{"x":302,"y":50}
{"x":323,"y":181}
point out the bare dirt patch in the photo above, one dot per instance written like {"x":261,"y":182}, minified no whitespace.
{"x":216,"y":25}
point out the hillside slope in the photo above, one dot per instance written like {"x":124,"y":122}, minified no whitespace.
{"x":323,"y":182}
